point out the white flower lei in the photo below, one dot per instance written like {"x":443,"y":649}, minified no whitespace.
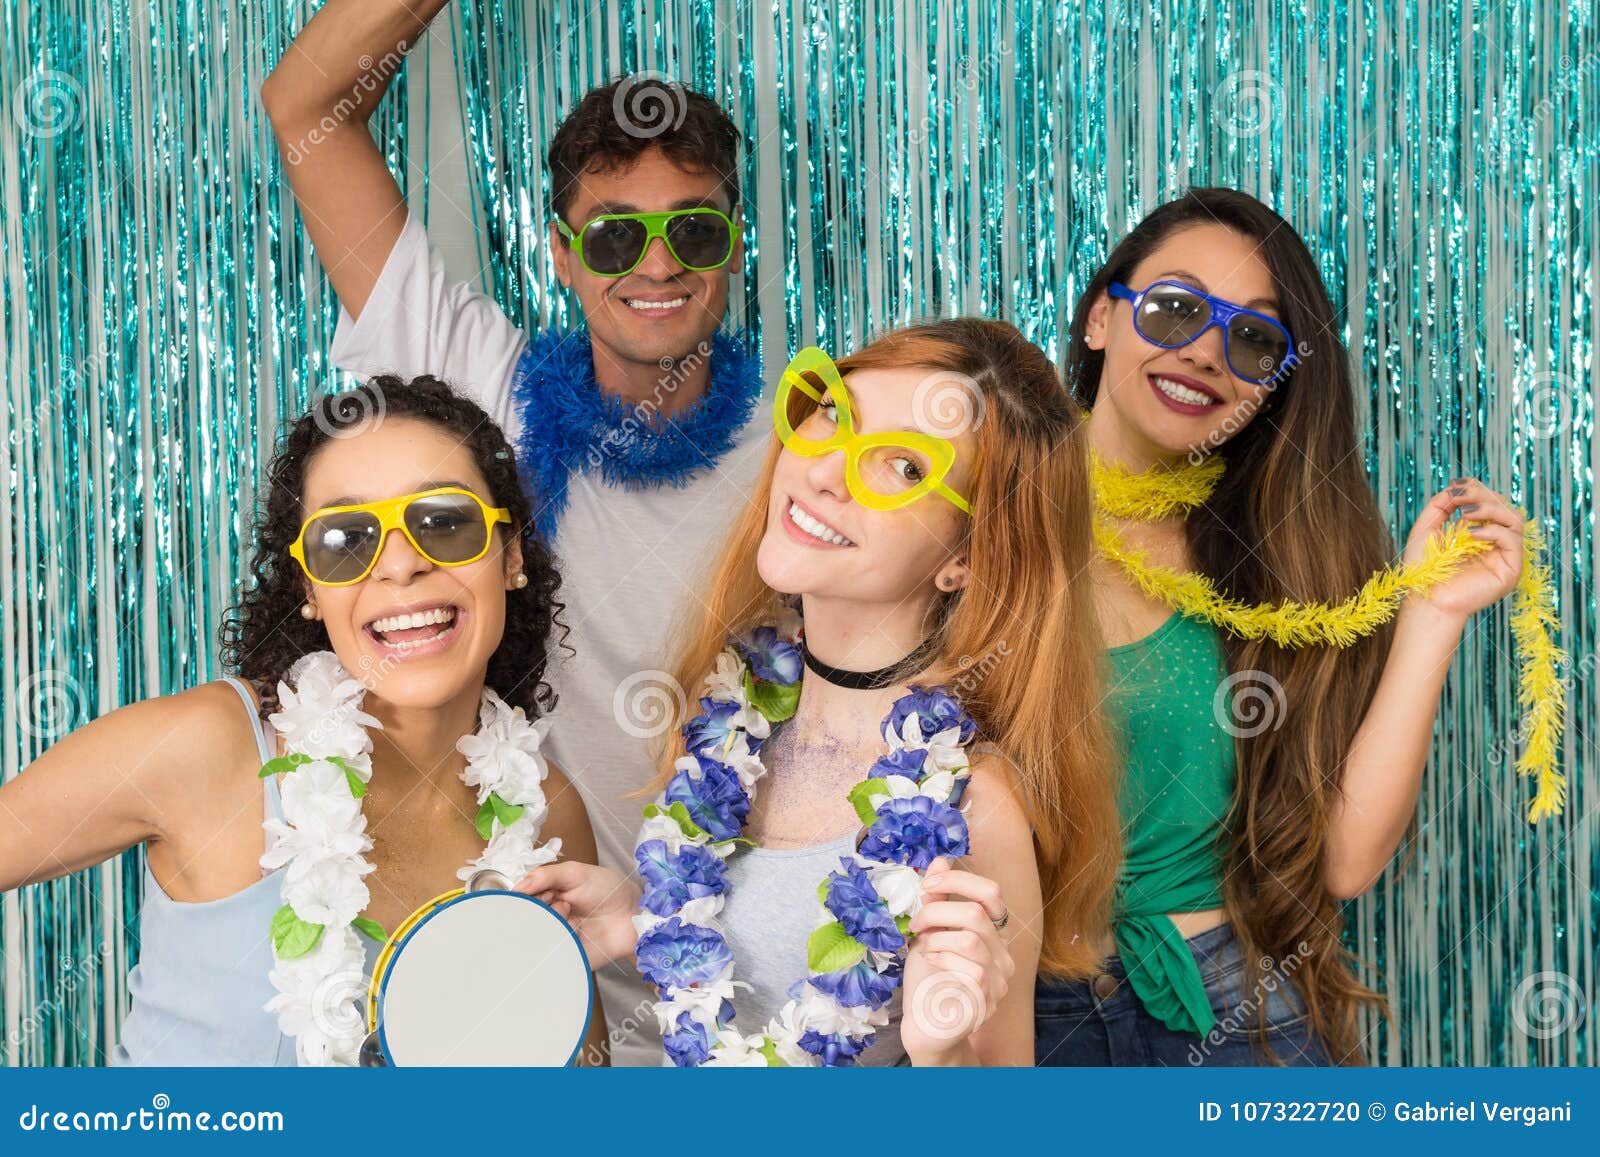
{"x":319,"y":960}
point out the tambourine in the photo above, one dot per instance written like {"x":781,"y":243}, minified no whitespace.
{"x":479,"y":976}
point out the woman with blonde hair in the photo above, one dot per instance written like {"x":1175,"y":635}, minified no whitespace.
{"x":899,"y":673}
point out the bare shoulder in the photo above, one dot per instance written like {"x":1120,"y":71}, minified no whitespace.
{"x":568,"y":818}
{"x":993,"y":797}
{"x":190,"y":743}
{"x":997,"y":818}
{"x":1001,"y":842}
{"x":208,"y":720}
{"x":186,"y":730}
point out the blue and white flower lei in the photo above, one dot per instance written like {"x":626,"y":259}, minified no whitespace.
{"x":909,"y":803}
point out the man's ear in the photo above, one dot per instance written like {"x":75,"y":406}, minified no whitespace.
{"x":736,"y":261}
{"x":560,"y":255}
{"x":1094,"y":329}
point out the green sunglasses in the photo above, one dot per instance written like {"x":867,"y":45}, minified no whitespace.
{"x":613,"y":244}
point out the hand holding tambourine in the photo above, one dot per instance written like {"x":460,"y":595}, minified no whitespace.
{"x":481,"y":976}
{"x":600,"y":903}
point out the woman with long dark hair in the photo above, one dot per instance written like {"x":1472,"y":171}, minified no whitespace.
{"x":1269,"y":775}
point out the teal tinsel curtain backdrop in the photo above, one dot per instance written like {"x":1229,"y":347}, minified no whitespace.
{"x":905,"y":159}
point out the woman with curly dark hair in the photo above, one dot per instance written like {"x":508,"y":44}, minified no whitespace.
{"x":384,"y":728}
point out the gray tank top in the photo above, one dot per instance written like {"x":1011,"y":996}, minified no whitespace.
{"x":200,"y":987}
{"x":771,"y":911}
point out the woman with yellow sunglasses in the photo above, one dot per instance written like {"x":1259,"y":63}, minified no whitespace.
{"x":390,"y":648}
{"x":900,"y":711}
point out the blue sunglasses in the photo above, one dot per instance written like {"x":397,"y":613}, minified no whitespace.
{"x":1171,"y":315}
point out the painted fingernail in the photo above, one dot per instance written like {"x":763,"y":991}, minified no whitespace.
{"x":1458,"y":491}
{"x":1469,"y":508}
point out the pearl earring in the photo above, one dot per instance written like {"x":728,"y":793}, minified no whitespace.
{"x":520,"y":581}
{"x":307,"y":611}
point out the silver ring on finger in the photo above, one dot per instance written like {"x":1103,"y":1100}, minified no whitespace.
{"x":1005,"y":918}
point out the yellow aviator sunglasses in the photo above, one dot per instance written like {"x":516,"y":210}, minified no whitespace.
{"x":449,"y":526}
{"x":872,"y":461}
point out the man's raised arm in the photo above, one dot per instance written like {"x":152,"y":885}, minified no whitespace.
{"x":320,"y":98}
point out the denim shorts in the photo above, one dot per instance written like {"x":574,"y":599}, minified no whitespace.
{"x":1100,"y":1021}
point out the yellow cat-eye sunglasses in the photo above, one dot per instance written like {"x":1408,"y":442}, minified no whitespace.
{"x":883,"y":471}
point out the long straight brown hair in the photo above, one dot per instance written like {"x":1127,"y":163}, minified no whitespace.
{"x":1020,"y":644}
{"x":1293,"y":518}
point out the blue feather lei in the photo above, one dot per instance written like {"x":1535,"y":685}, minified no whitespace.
{"x":571,"y":426}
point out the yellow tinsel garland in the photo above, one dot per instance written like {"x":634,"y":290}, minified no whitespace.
{"x":1145,"y":497}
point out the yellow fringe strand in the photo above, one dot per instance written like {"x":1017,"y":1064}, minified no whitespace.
{"x":1541,"y":694}
{"x":1540,"y":691}
{"x":1154,"y":494}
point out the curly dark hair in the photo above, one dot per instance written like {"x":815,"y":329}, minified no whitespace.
{"x":263,"y":633}
{"x":615,"y":123}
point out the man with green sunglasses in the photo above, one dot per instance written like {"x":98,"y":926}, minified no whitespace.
{"x":637,"y":435}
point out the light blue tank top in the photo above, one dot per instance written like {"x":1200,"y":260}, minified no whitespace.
{"x":771,"y":911}
{"x":200,"y":986}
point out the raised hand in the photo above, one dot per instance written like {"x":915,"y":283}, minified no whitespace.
{"x":1484,"y":579}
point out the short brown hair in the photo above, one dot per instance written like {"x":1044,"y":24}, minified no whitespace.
{"x":617,"y":122}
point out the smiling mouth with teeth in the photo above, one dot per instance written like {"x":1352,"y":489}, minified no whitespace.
{"x":815,"y":527}
{"x":656,"y":306}
{"x":405,"y":633}
{"x":1182,"y":393}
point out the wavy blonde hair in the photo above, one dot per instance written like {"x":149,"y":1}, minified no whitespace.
{"x":1020,"y":644}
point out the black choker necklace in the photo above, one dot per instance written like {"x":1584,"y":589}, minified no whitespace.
{"x":870,"y":680}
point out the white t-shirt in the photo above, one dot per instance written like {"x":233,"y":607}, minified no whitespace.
{"x":632,"y":563}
